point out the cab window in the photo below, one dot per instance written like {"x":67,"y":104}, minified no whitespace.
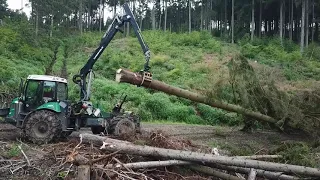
{"x":49,"y":89}
{"x":32,"y":90}
{"x":62,"y":91}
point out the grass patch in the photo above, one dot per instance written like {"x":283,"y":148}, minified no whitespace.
{"x":298,"y":153}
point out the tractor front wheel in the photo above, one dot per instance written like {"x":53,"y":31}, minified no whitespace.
{"x":42,"y":126}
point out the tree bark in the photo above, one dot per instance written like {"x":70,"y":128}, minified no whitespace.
{"x":252,"y":174}
{"x":37,"y":22}
{"x":260,"y":19}
{"x":232,"y":22}
{"x":153,"y":17}
{"x":125,"y":147}
{"x":291,"y":21}
{"x":51,"y":27}
{"x":160,"y":18}
{"x":100,"y":16}
{"x":213,"y":172}
{"x":307,"y":23}
{"x":80,"y":17}
{"x":201,"y":16}
{"x":281,"y":22}
{"x":136,"y":79}
{"x":83,"y":172}
{"x":165,"y":15}
{"x":189,"y":2}
{"x":260,"y":173}
{"x":115,"y":8}
{"x":252,"y":20}
{"x":225,"y":16}
{"x":303,"y":18}
{"x":312,"y":36}
{"x":260,"y":157}
{"x":148,"y":164}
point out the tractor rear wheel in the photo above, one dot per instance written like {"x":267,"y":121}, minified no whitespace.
{"x":42,"y":126}
{"x":122,"y":125}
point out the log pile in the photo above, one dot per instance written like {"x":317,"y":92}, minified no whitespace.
{"x":129,"y":160}
{"x":148,"y":156}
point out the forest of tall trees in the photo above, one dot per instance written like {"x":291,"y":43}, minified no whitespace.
{"x":296,"y":20}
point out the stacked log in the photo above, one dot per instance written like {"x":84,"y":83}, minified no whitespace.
{"x":213,"y":165}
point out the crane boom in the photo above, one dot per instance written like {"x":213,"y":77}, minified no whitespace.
{"x":114,"y":27}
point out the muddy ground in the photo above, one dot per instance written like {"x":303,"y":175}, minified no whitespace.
{"x":228,"y":139}
{"x":47,"y":160}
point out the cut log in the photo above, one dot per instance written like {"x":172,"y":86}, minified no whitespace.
{"x":149,"y":164}
{"x":252,"y":174}
{"x":125,"y":76}
{"x":83,"y":172}
{"x":213,"y":172}
{"x":130,"y":148}
{"x":260,"y":157}
{"x":260,"y":173}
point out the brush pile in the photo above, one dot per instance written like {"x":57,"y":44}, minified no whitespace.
{"x":148,"y":156}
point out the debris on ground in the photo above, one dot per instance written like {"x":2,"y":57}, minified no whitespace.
{"x":152,"y":155}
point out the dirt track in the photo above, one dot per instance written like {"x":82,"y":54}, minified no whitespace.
{"x":215,"y":136}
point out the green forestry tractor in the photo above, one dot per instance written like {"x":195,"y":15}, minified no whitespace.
{"x":44,"y":112}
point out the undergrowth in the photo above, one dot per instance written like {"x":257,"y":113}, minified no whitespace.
{"x":177,"y":59}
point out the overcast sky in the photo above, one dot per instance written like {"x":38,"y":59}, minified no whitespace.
{"x":18,"y":4}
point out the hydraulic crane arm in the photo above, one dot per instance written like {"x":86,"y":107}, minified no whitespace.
{"x":114,"y":27}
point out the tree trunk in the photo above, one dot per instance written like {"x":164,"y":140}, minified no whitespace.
{"x":303,"y":18}
{"x":316,"y":33}
{"x":201,"y":16}
{"x":136,"y":79}
{"x":83,"y":172}
{"x":80,"y":17}
{"x":115,"y":8}
{"x":252,"y":175}
{"x":189,"y":4}
{"x":165,"y":15}
{"x":125,"y":147}
{"x":232,"y":23}
{"x":148,"y":164}
{"x":307,"y":23}
{"x":51,"y":27}
{"x":260,"y":173}
{"x":225,"y":16}
{"x":291,"y":21}
{"x":160,"y":18}
{"x":37,"y":22}
{"x":252,"y":20}
{"x":213,"y":172}
{"x":313,"y":18}
{"x":281,"y":21}
{"x":260,"y":19}
{"x":153,"y":17}
{"x":100,"y":16}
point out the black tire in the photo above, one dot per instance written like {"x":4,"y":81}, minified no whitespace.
{"x":65,"y":134}
{"x":97,"y":129}
{"x":124,"y":126}
{"x":42,"y":126}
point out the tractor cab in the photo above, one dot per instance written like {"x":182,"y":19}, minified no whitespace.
{"x":38,"y":92}
{"x":42,"y":89}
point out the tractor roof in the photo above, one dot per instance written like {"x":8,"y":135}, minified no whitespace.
{"x":47,"y":78}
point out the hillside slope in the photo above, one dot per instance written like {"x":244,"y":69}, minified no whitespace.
{"x":195,"y":61}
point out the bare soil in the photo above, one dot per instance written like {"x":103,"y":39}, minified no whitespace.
{"x":50,"y":158}
{"x":258,"y":142}
{"x":228,"y":139}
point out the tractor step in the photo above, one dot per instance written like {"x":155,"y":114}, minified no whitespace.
{"x":4,"y":112}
